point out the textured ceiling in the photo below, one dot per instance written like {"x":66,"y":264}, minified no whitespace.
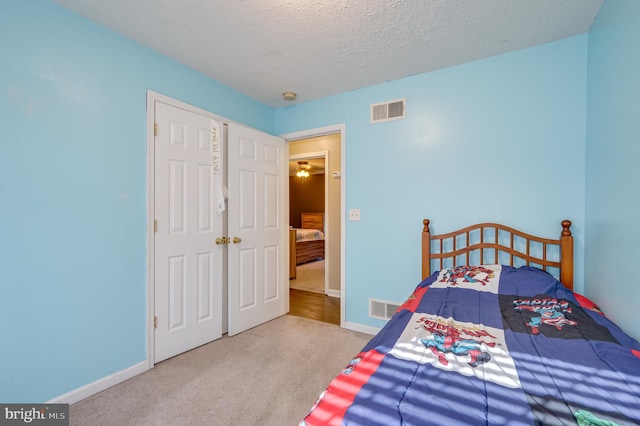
{"x":319,"y":48}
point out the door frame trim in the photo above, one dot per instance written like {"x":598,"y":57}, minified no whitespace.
{"x":322,"y":131}
{"x":152,"y":98}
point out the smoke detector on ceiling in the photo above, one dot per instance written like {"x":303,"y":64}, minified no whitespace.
{"x":289,"y":96}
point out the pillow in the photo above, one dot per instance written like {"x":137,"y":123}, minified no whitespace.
{"x":587,"y":303}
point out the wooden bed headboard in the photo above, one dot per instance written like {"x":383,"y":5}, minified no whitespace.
{"x":458,"y":244}
{"x":313,"y":221}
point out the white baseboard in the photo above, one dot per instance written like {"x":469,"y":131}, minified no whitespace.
{"x":334,"y":293}
{"x":367,"y":329}
{"x":100,"y":384}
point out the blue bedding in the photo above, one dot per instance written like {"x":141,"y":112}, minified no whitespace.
{"x":489,"y":345}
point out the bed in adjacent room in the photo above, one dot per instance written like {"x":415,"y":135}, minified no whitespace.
{"x":495,"y":335}
{"x":309,"y":244}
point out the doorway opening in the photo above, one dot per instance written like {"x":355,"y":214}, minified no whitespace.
{"x":309,"y":283}
{"x":315,"y":202}
{"x":307,"y":211}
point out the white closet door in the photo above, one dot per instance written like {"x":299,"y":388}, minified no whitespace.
{"x":258,"y":228}
{"x":188,"y":264}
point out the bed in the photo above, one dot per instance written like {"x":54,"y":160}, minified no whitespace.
{"x":310,"y":238}
{"x":494,"y":335}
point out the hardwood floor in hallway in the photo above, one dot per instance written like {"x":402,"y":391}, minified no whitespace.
{"x":316,"y":306}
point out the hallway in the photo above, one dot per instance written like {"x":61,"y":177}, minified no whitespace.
{"x":313,"y":305}
{"x":306,"y":294}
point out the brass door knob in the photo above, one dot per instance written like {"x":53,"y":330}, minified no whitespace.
{"x":222,"y":240}
{"x":236,"y":240}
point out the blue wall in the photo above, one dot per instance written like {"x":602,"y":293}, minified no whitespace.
{"x":73,"y":194}
{"x":613,"y":153}
{"x":497,"y":139}
{"x":500,"y":139}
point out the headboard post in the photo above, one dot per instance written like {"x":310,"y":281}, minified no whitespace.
{"x":566,"y":255}
{"x":426,"y":250}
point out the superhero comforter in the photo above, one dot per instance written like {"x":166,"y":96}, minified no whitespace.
{"x":489,"y":345}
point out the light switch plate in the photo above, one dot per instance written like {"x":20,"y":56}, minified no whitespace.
{"x":354,"y":215}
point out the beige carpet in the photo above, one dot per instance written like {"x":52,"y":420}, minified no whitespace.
{"x":269,"y":375}
{"x":309,"y":277}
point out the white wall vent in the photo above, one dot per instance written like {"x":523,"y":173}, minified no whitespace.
{"x":381,"y":309}
{"x":390,"y":110}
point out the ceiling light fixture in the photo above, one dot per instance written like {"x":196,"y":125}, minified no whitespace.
{"x":289,"y":96}
{"x":303,"y":170}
